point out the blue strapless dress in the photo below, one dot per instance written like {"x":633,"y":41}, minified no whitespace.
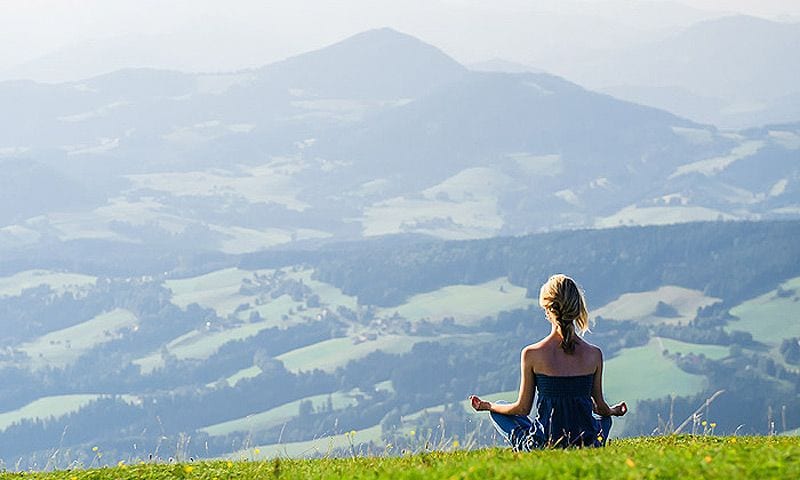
{"x":564,"y":416}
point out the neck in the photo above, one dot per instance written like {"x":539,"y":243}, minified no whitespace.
{"x":555,"y":331}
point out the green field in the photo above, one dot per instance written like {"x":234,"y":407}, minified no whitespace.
{"x":461,"y":207}
{"x":468,"y":304}
{"x":279,"y":415}
{"x":633,"y":215}
{"x":641,"y":306}
{"x":320,"y":446}
{"x":331,"y":354}
{"x":770,"y":318}
{"x":63,"y":347}
{"x":714,"y":352}
{"x":668,"y":457}
{"x":60,"y":282}
{"x":53,"y":407}
{"x":217,"y":290}
{"x":270,"y":183}
{"x":201,"y":344}
{"x":644,"y":372}
{"x":243,"y":374}
{"x":328,"y":294}
{"x":220,"y":291}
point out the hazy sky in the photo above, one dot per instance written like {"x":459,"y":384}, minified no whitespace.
{"x":221,"y":35}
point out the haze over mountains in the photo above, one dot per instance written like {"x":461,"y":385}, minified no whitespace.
{"x":378,"y":134}
{"x":256,"y":257}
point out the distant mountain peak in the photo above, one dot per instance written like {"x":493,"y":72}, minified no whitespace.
{"x":381,"y":63}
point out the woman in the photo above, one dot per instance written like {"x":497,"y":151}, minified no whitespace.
{"x":567,"y":373}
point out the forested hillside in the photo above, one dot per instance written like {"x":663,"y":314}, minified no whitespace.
{"x":389,"y":336}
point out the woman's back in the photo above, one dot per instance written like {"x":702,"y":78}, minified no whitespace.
{"x":550,"y":359}
{"x":567,"y":374}
{"x":564,"y":384}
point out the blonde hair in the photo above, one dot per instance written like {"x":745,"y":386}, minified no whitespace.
{"x":561,"y":297}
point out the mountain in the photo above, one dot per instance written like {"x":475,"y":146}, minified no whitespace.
{"x":378,"y":64}
{"x":284,"y":351}
{"x":378,"y":134}
{"x":729,"y":71}
{"x":218,"y":260}
{"x":501,"y":65}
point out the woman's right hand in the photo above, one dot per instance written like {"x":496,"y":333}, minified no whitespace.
{"x":619,"y":409}
{"x":478,"y":404}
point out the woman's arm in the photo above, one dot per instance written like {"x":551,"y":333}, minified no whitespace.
{"x":600,"y":405}
{"x":524,"y":401}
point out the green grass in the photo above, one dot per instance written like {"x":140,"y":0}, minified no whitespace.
{"x":468,"y":304}
{"x":278,"y":415}
{"x":633,"y":215}
{"x":331,"y":354}
{"x":319,"y":446}
{"x":60,"y":282}
{"x":53,"y":407}
{"x":641,"y":306}
{"x":770,"y":318}
{"x":219,"y":290}
{"x":243,"y":374}
{"x":461,"y":207}
{"x":328,"y":294}
{"x":63,"y":347}
{"x":644,"y":372}
{"x":714,"y":352}
{"x":638,"y":458}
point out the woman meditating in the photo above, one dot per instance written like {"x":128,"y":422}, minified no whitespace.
{"x":567,"y":373}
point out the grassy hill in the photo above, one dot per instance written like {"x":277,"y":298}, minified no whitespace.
{"x":653,"y":457}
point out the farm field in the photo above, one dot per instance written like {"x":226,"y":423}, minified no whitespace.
{"x":318,"y":447}
{"x":633,"y":215}
{"x":243,"y":374}
{"x":63,"y":347}
{"x":278,"y":415}
{"x":641,"y":306}
{"x":222,"y":291}
{"x":217,"y":290}
{"x":463,"y":206}
{"x":58,"y":281}
{"x":644,"y":373}
{"x":53,"y":407}
{"x":330,"y":354}
{"x":714,"y":352}
{"x":201,"y":344}
{"x":467,"y":304}
{"x":328,"y":294}
{"x":770,"y":317}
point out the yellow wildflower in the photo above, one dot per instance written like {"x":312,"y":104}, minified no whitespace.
{"x":94,"y":449}
{"x":455,"y":444}
{"x":229,"y":464}
{"x":188,"y":469}
{"x":707,"y":459}
{"x":629,"y":462}
{"x":257,"y":451}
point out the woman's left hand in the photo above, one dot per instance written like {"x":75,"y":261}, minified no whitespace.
{"x":478,"y":404}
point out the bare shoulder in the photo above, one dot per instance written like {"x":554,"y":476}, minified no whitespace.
{"x":531,"y":351}
{"x":592,"y":351}
{"x":535,"y":347}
